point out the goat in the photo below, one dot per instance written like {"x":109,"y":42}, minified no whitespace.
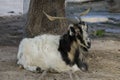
{"x":56,"y":52}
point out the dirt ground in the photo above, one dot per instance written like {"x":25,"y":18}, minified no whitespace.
{"x":103,"y":60}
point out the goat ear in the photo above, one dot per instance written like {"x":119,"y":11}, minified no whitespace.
{"x":71,"y":31}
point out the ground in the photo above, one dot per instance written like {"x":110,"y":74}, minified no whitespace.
{"x":103,"y":58}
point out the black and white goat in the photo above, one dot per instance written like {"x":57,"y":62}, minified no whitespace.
{"x":60,"y":53}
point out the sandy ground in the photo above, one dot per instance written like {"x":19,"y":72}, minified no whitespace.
{"x":103,"y":60}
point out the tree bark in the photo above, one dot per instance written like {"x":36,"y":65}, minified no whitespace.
{"x":37,"y":22}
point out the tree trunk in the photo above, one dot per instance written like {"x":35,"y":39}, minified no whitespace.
{"x":37,"y":22}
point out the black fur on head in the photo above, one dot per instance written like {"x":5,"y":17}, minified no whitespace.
{"x":70,"y":44}
{"x":82,"y":35}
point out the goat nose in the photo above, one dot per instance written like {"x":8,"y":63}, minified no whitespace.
{"x":84,"y":67}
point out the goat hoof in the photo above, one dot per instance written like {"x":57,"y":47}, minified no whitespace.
{"x":84,"y":67}
{"x":20,"y":67}
{"x":38,"y":69}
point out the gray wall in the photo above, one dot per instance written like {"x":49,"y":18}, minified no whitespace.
{"x":26,"y":6}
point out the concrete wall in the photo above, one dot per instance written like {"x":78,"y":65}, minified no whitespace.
{"x":14,"y":6}
{"x":26,"y":6}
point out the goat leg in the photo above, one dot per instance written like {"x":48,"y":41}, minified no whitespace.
{"x":71,"y":76}
{"x":43,"y":74}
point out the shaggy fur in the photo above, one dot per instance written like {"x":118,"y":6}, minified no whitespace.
{"x":59,"y":53}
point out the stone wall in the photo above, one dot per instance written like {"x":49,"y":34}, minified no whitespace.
{"x":11,"y":30}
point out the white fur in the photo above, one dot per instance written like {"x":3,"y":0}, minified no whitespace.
{"x":42,"y":51}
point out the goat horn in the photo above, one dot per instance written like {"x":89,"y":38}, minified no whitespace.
{"x":52,"y":18}
{"x":85,"y":12}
